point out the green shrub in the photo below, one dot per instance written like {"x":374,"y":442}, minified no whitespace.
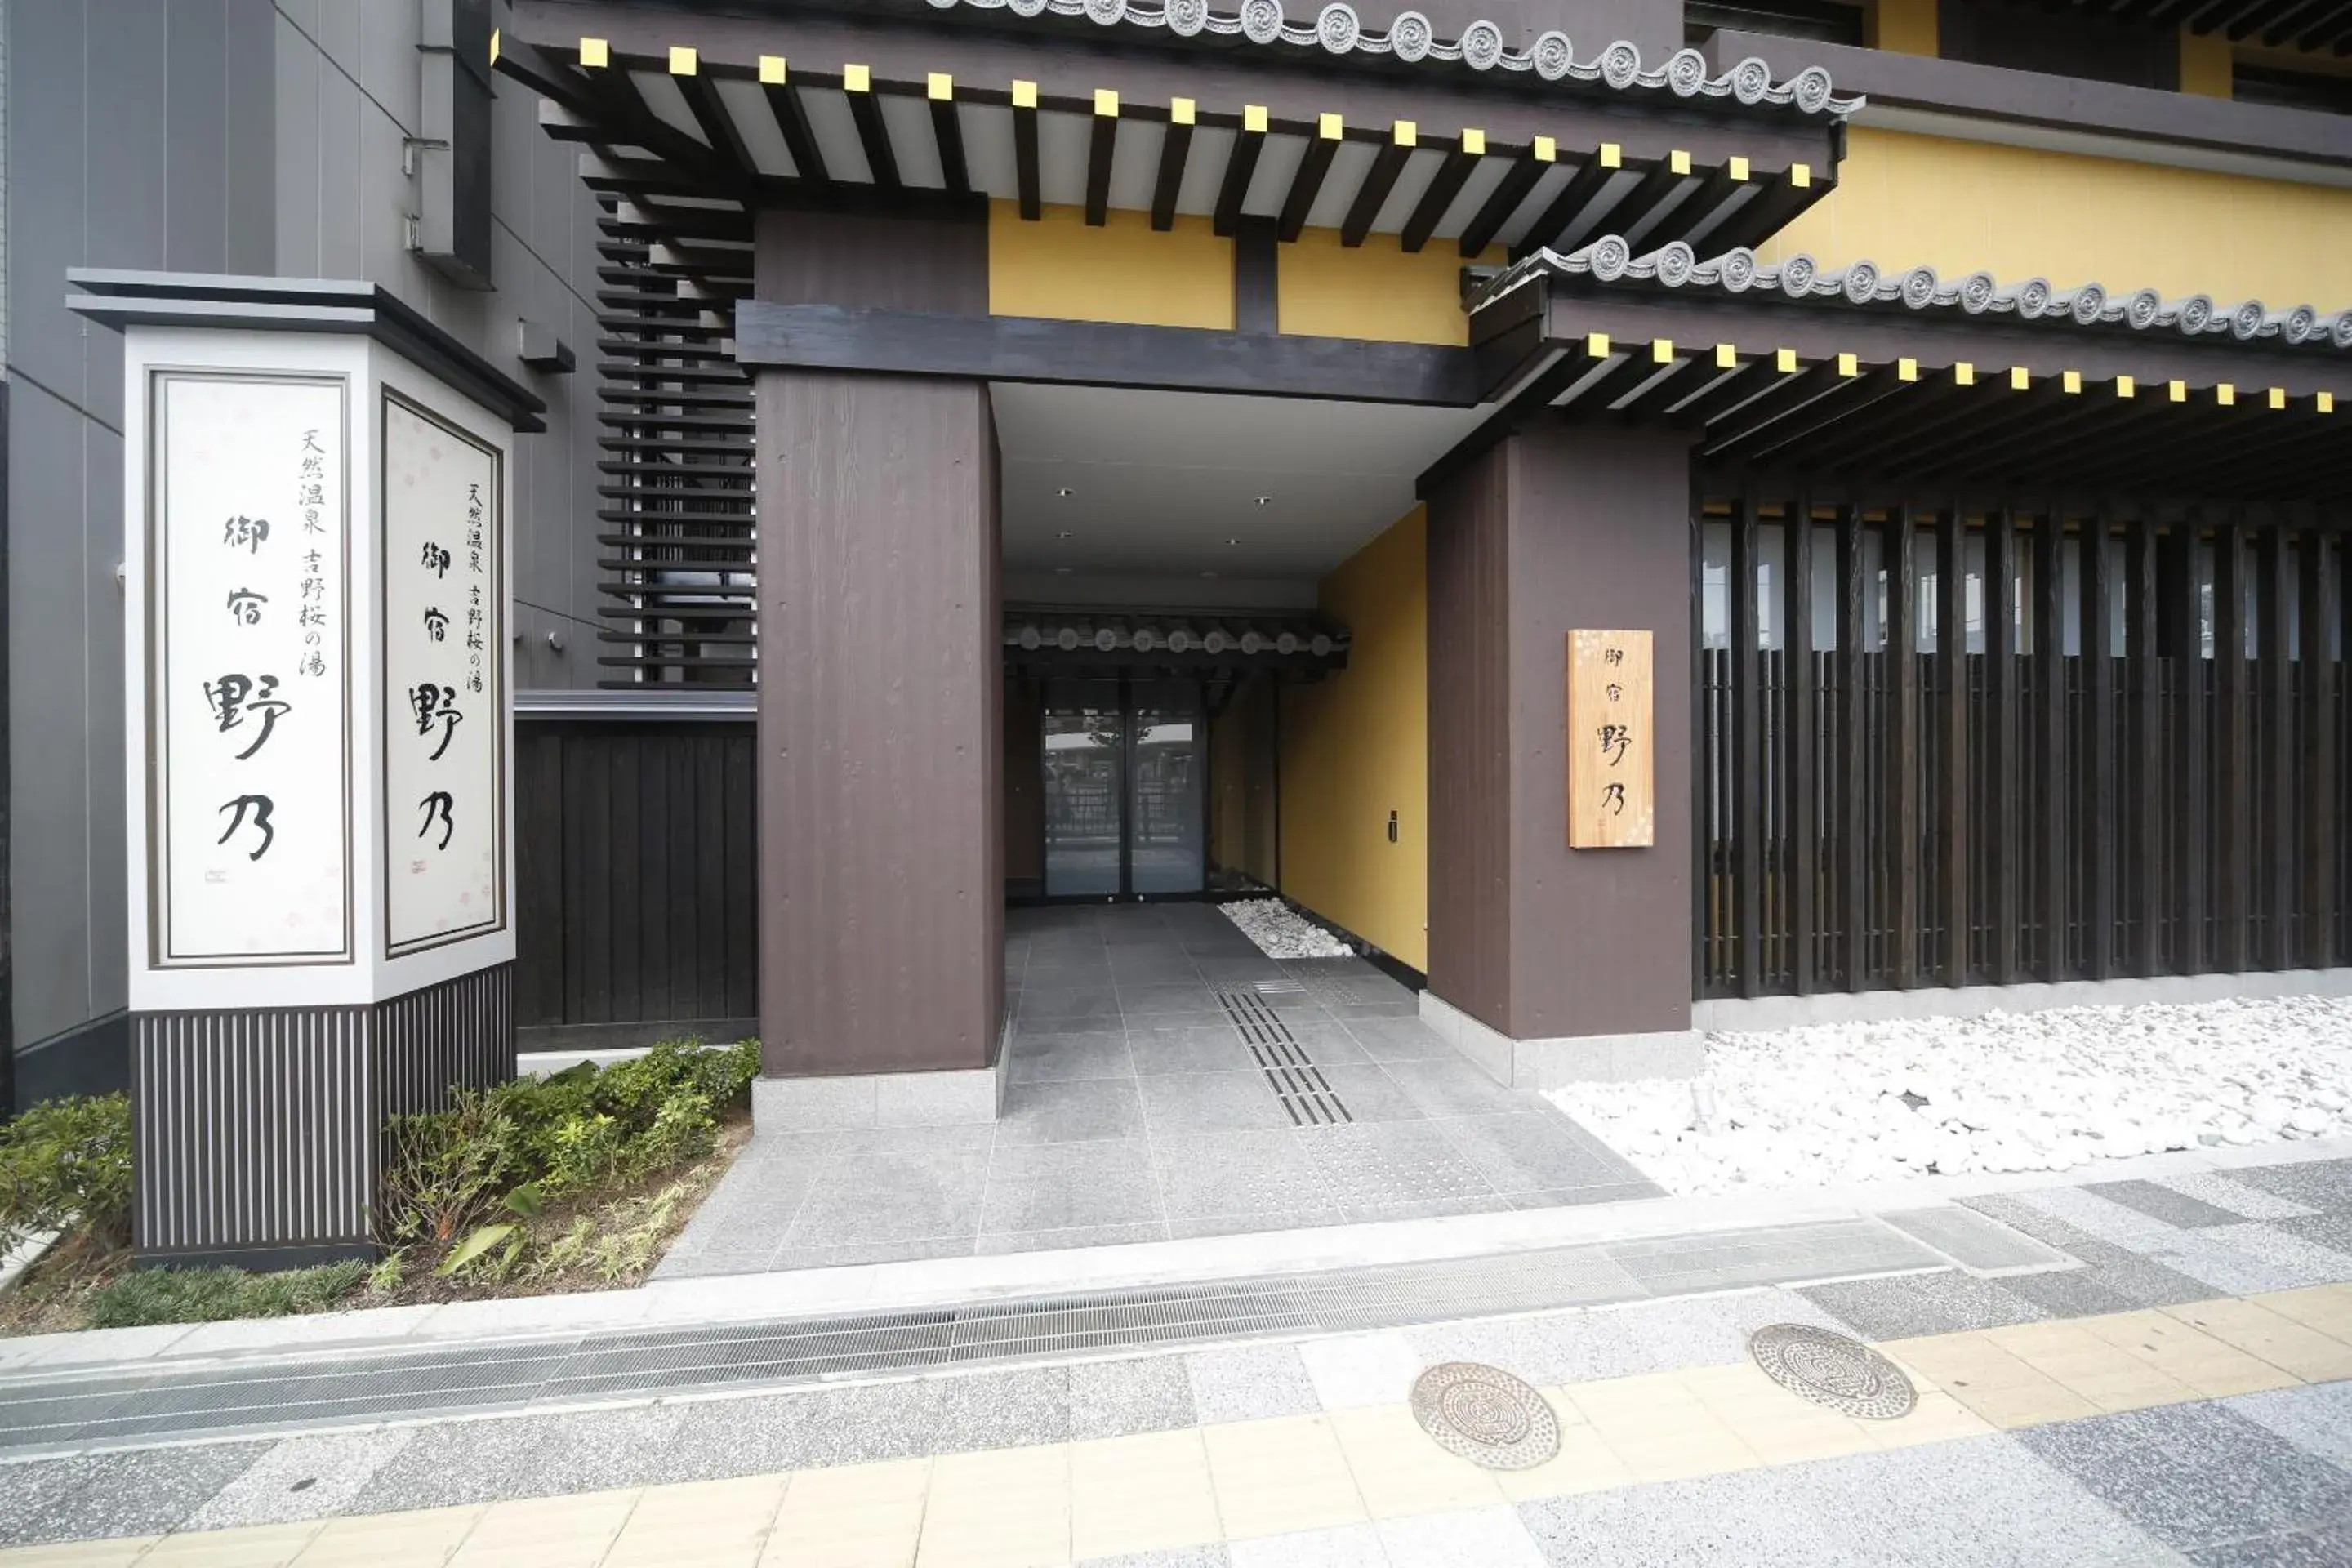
{"x":63,"y":1162}
{"x":210,"y":1295}
{"x":682,"y":1129}
{"x":448,"y":1169}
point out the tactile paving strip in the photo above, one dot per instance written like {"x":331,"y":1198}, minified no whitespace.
{"x":1289,"y":1071}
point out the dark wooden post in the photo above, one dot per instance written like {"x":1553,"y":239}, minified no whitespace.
{"x":2232,"y":792}
{"x":1952,"y":663}
{"x":2003,"y":904}
{"x":1903,"y":846}
{"x":2322,"y":786}
{"x":2278,"y":776}
{"x":2098,"y":770}
{"x":1746,"y":748}
{"x":1852,"y":759}
{"x":2188,"y":769}
{"x":2050,"y":735}
{"x":1802,"y":876}
{"x":2146,"y":675}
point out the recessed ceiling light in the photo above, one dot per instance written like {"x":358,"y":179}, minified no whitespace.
{"x":1063,"y":492}
{"x":1061,"y":570}
{"x":1064,"y":534}
{"x":1208,"y":573}
{"x":1262,"y":500}
{"x":1233,"y":541}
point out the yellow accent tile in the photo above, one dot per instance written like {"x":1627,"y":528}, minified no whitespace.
{"x":1802,"y":176}
{"x":1005,"y":1509}
{"x":2278,"y":397}
{"x":1990,"y":1382}
{"x":390,"y":1540}
{"x":2214,"y":1368}
{"x":2226,"y":396}
{"x":1848,"y":364}
{"x":117,"y":1553}
{"x":256,"y":1546}
{"x":857,"y":78}
{"x":1329,"y":127}
{"x":699,"y":1521}
{"x":1785,"y":361}
{"x":854,"y":1516}
{"x":498,"y":40}
{"x":1584,"y":1463}
{"x":1726,"y":357}
{"x":1659,"y":1428}
{"x":2019,"y":378}
{"x":1937,"y":1417}
{"x":939,"y":87}
{"x":2126,"y":387}
{"x":1779,"y":1426}
{"x":682,"y":60}
{"x":1611,"y":155}
{"x":1596,"y":345}
{"x":1737,"y":169}
{"x":1907,"y":370}
{"x":1024,"y":95}
{"x":1547,"y":149}
{"x":1404,"y":133}
{"x":2071,"y":1354}
{"x":2178,"y":391}
{"x":1401,"y":1470}
{"x":1661,"y":351}
{"x":771,"y":70}
{"x":2327,"y":1308}
{"x":1279,"y":1476}
{"x":1964,"y":374}
{"x":1107,"y":103}
{"x":546,"y":1532}
{"x":2291,"y":1346}
{"x":1147,"y":1493}
{"x":595,"y":53}
{"x":1473,"y":142}
{"x":2071,"y":382}
{"x":2325,"y":402}
{"x":1254,"y":118}
{"x":1679,"y":162}
{"x":1182,"y":112}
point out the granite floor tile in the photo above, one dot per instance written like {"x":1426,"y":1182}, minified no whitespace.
{"x":1386,"y":1164}
{"x":458,"y":1462}
{"x":1138,"y":1394}
{"x":598,"y":1450}
{"x":1265,"y":1175}
{"x":1209,"y":1556}
{"x":867,"y":1198}
{"x":101,"y":1496}
{"x":1532,"y":1152}
{"x":1197,"y":1047}
{"x":302,"y":1477}
{"x":2317,"y":1419}
{"x":2330,"y":1229}
{"x":759,"y":1435}
{"x":1140,"y":1002}
{"x":2325,"y":1185}
{"x":1041,"y":1001}
{"x":2169,"y":1205}
{"x":1074,"y":1111}
{"x":1052,"y":1058}
{"x":1469,"y":1537}
{"x":2328,"y":1546}
{"x":1400,"y":1039}
{"x":1371,"y":1094}
{"x":845,"y":1254}
{"x":1451,"y":1086}
{"x":2196,"y":1476}
{"x":1348,"y":1546}
{"x":1623,"y":1341}
{"x":2249,"y":1256}
{"x":1013,"y":1409}
{"x":2250,"y":1203}
{"x":1175,"y":1104}
{"x":1903,"y":1306}
{"x":1546,"y":1350}
{"x":1058,"y":1186}
{"x":1352,"y":1371}
{"x":1568,"y":1197}
{"x":1249,"y":1382}
{"x":1002,"y":1243}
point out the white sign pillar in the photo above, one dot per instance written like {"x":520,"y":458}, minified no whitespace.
{"x":318,"y":727}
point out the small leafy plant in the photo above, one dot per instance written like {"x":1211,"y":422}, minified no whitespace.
{"x":67,"y":1162}
{"x":210,"y":1295}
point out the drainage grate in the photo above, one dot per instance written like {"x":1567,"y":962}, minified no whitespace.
{"x":1485,"y":1415}
{"x":1292,"y":1074}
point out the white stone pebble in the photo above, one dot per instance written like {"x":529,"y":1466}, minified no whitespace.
{"x":2001,"y":1092}
{"x":1281,"y":932}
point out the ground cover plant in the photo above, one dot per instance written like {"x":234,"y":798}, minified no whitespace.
{"x":578,"y":1181}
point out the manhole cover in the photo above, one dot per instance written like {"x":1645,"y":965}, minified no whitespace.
{"x":1832,"y":1370}
{"x":1485,"y":1415}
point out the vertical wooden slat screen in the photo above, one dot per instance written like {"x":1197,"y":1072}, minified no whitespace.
{"x":1952,"y":755}
{"x":2189,"y":827}
{"x":2149,"y":775}
{"x":2279,"y":876}
{"x":2000,"y":607}
{"x":1901,"y":851}
{"x":1803,"y":866}
{"x":2232,"y":798}
{"x":2097,"y":780}
{"x":2323,"y":786}
{"x":2050,"y":751}
{"x":1852,"y":763}
{"x":1748,"y":747}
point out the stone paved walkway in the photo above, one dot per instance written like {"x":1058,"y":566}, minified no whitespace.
{"x":2170,"y":1385}
{"x":1168,"y":1080}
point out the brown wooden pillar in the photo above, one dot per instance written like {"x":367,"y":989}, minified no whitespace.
{"x":1553,"y":530}
{"x":881,"y":734}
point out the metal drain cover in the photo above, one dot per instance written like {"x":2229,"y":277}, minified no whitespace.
{"x":1831,"y":1369}
{"x":1485,"y":1415}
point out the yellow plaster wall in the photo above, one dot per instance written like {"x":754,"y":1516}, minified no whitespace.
{"x":2205,"y":64}
{"x":1123,"y":271}
{"x":1356,"y":747}
{"x":2021,"y":213}
{"x":1377,"y":290}
{"x":1905,"y":26}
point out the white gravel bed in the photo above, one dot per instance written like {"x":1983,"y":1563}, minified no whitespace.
{"x":2003,"y":1092}
{"x":1281,"y":932}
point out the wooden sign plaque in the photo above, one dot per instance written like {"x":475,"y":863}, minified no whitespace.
{"x":1612,"y":768}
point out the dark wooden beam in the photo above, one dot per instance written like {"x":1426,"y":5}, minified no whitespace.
{"x":1503,"y":200}
{"x":1937,"y":399}
{"x":1100,"y":354}
{"x":1901,"y":850}
{"x":1717,"y":187}
{"x":1257,"y":277}
{"x":1025,"y":178}
{"x":2145,"y":672}
{"x":1851,"y":762}
{"x":2277,"y":772}
{"x":1175,"y":149}
{"x":1641,"y":361}
{"x":2096,"y":775}
{"x":2049,"y":709}
{"x":1746,"y":748}
{"x":1650,"y":201}
{"x":2004,"y":905}
{"x":1446,"y":185}
{"x":1743,"y":429}
{"x":1568,"y":206}
{"x":2233,"y":800}
{"x":1848,"y":399}
{"x":1751,"y":381}
{"x":2185,"y":776}
{"x":2323,"y":775}
{"x":873,"y":132}
{"x":1373,"y":194}
{"x":1802,"y":872}
{"x":1249,"y":141}
{"x":1102,"y":145}
{"x":711,"y":113}
{"x":783,"y":98}
{"x":1306,"y":183}
{"x":946,"y":130}
{"x":1772,"y":209}
{"x":1952,"y":751}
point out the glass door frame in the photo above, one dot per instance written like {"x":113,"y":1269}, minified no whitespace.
{"x":1126,"y":685}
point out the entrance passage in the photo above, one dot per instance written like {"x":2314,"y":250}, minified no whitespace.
{"x":1126,"y":805}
